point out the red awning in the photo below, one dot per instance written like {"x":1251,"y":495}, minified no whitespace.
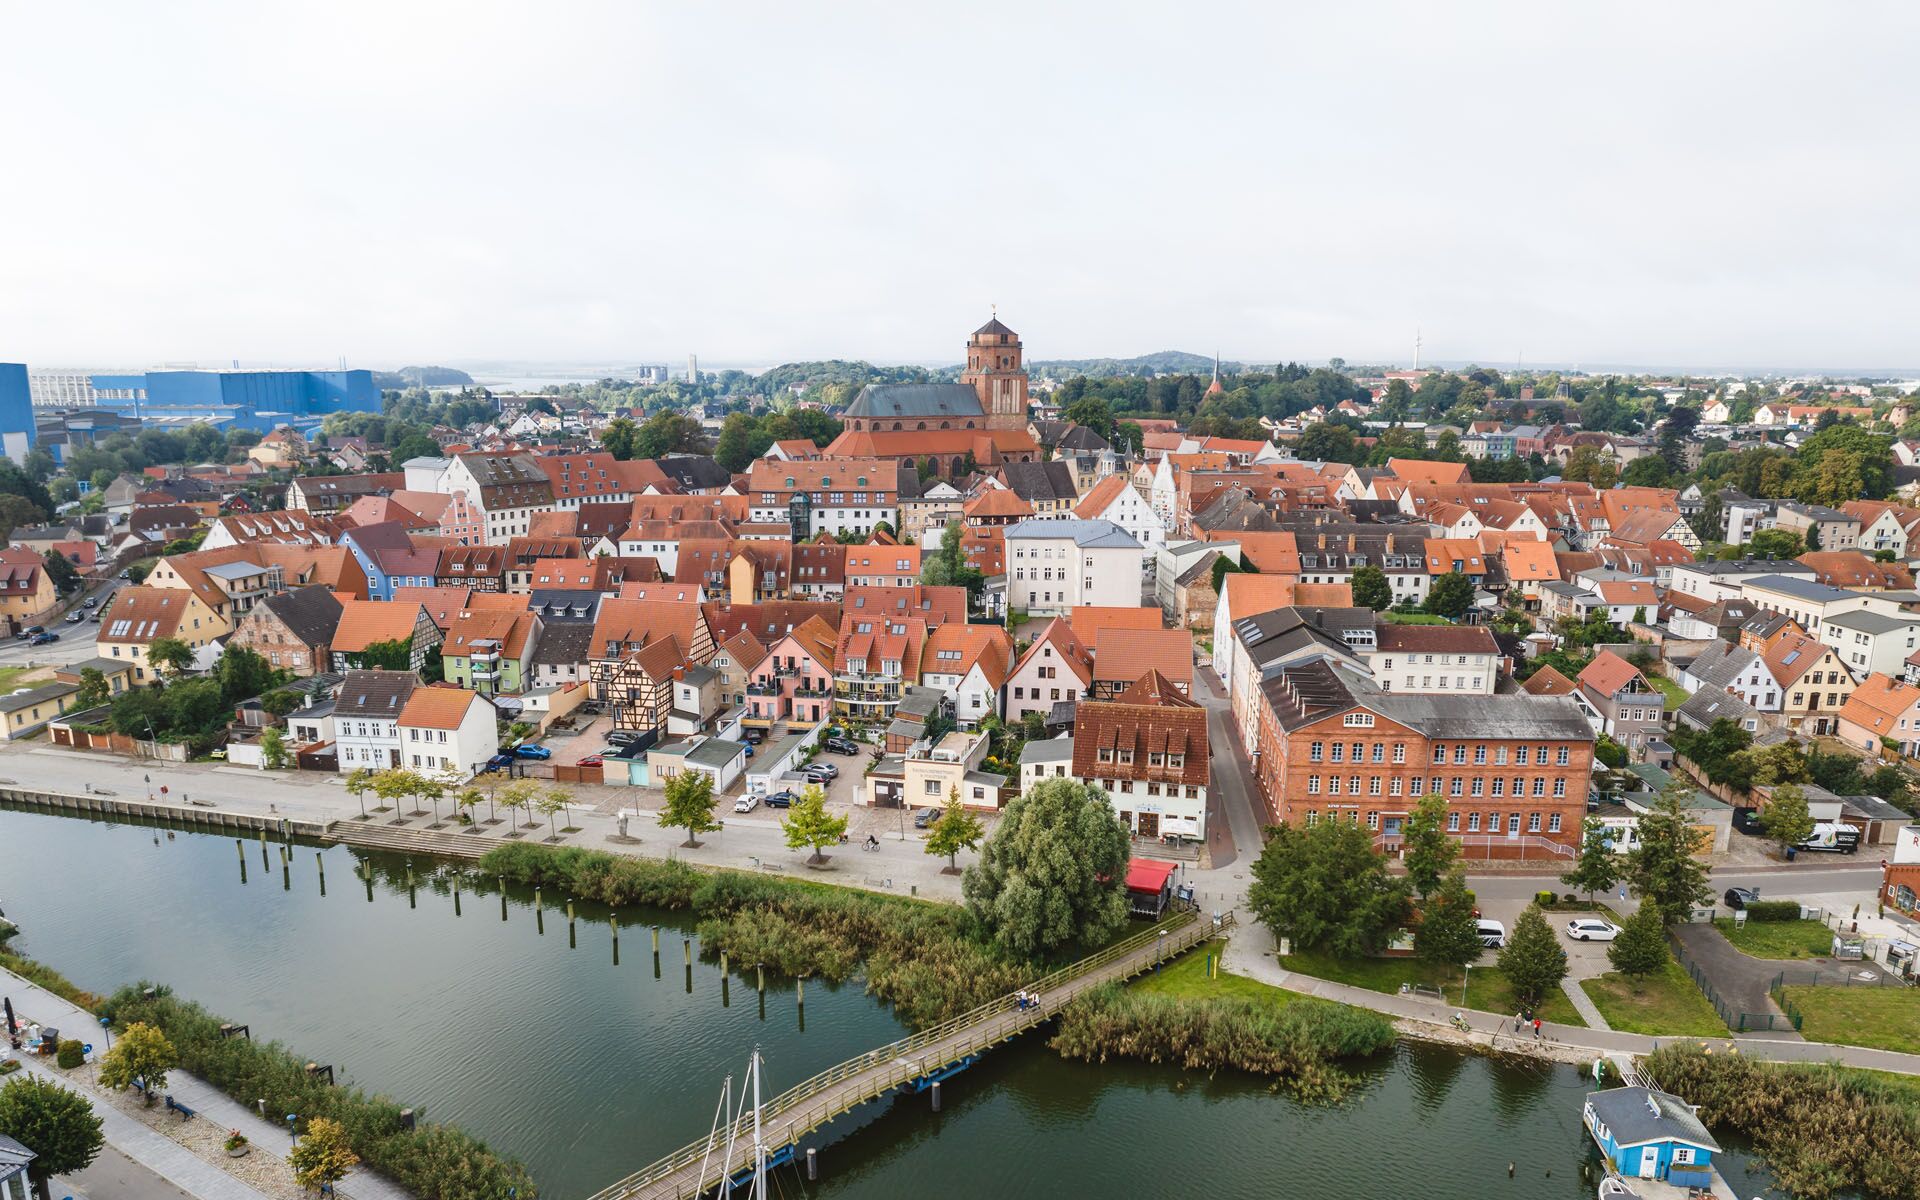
{"x":1149,"y":875}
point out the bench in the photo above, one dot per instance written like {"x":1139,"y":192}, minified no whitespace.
{"x":175,"y":1106}
{"x":1423,"y":990}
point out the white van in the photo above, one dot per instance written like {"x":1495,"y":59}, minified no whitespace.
{"x":1493,"y":935}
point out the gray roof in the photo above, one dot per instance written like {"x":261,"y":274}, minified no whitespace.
{"x":15,"y":701}
{"x":1801,"y":589}
{"x":311,"y":613}
{"x":1084,"y":533}
{"x":14,"y":1158}
{"x":563,"y":643}
{"x":562,"y":605}
{"x":1317,"y":689}
{"x":1040,"y":480}
{"x":1637,"y":1115}
{"x":375,"y":693}
{"x":1873,"y":622}
{"x":694,"y":471}
{"x":716,"y":752}
{"x":1746,"y":566}
{"x":1720,"y":664}
{"x":236,"y":570}
{"x":1051,"y":750}
{"x":915,"y":400}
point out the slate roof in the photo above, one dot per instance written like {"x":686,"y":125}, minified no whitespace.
{"x":1637,"y":1115}
{"x":1800,"y":589}
{"x":692,"y":472}
{"x":564,"y":643}
{"x":1033,"y":481}
{"x":1312,"y":691}
{"x":1705,"y":707}
{"x":375,"y":693}
{"x":1720,"y":664}
{"x":1085,"y":534}
{"x":310,"y":613}
{"x":888,"y":400}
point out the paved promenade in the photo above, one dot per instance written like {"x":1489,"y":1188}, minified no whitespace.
{"x":154,"y":1150}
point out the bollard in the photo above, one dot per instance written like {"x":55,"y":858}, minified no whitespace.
{"x":686,"y":946}
{"x":241,"y":847}
{"x":656,"y":939}
{"x":723,"y":962}
{"x":569,"y":908}
{"x":800,"y":992}
{"x":726,"y":991}
{"x":320,"y":865}
{"x":456,"y":899}
{"x":503,"y":897}
{"x":936,"y":1096}
{"x":613,"y":922}
{"x":760,"y":978}
{"x":540,"y":920}
{"x":813,"y":1165}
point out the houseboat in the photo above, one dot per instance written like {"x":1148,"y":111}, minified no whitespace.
{"x":1655,"y":1146}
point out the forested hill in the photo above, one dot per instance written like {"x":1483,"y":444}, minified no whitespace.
{"x":407,"y":377}
{"x":1164,"y":362}
{"x":854,"y":374}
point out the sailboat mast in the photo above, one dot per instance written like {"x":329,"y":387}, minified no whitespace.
{"x":759,"y":1147}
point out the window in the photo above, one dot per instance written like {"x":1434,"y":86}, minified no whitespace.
{"x":1393,"y":786}
{"x":1553,"y":823}
{"x":1379,"y":752}
{"x":1439,"y":754}
{"x":1333,"y":785}
{"x":1373,"y":820}
{"x":1455,"y":785}
{"x":1453,"y":822}
{"x":1479,"y":756}
{"x":1313,"y":818}
{"x":1560,"y":757}
{"x":1313,"y":786}
{"x":1358,"y":721}
{"x":1540,"y":786}
{"x":1479,"y":786}
{"x":1559,"y":787}
{"x":1499,"y":785}
{"x":1399,"y":752}
{"x":1533,"y":822}
{"x":1339,"y":752}
{"x":1373,"y":785}
{"x":1473,"y":822}
{"x":1500,"y":756}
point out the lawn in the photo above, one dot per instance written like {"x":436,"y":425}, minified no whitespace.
{"x":1675,"y":694}
{"x":1398,"y":618}
{"x":1778,"y":939}
{"x":1666,"y":1004}
{"x":10,"y":676}
{"x":1186,"y":977}
{"x":1487,"y":989}
{"x":1886,"y":1018}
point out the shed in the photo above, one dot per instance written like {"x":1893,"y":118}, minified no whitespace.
{"x":1150,"y":886}
{"x":1648,"y":1134}
{"x":13,"y":1169}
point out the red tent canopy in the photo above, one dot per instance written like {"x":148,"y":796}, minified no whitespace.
{"x":1149,"y":875}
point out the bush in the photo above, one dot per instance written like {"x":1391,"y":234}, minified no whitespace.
{"x":1773,"y":910}
{"x":1544,"y":899}
{"x":1297,"y":1044}
{"x":70,"y":1053}
{"x":433,"y":1162}
{"x":9,"y":1066}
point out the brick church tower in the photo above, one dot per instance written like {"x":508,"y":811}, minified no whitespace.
{"x":994,"y":371}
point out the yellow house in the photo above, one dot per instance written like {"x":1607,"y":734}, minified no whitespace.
{"x":139,"y":616}
{"x":26,"y":590}
{"x":28,"y":710}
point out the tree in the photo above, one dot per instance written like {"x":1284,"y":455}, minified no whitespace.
{"x":1597,"y":869}
{"x":394,"y":785}
{"x":1426,"y":849}
{"x":143,"y":1053}
{"x":1785,"y":818}
{"x":551,"y":802}
{"x":467,"y":802}
{"x":273,"y":748}
{"x":734,"y":449}
{"x":61,"y":570}
{"x":1094,"y":413}
{"x":359,"y":783}
{"x":956,"y":830}
{"x":620,"y":438}
{"x":690,"y":805}
{"x":1776,"y":543}
{"x":281,"y":701}
{"x":1325,"y":888}
{"x":1641,"y":947}
{"x":1448,"y":933}
{"x":93,"y":689}
{"x":169,"y":655}
{"x":809,"y":824}
{"x":669,"y":433}
{"x":1662,"y":867}
{"x":1450,"y":597}
{"x":1609,"y":752}
{"x":323,"y":1156}
{"x":58,"y":1125}
{"x":1371,"y":589}
{"x":1532,"y":959}
{"x":1054,"y":872}
{"x":1223,"y":564}
{"x":520,"y":793}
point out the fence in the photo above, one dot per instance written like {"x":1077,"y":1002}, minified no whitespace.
{"x":1734,"y":1017}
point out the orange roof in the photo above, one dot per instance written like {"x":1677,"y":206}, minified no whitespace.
{"x":953,"y":649}
{"x":1608,"y":674}
{"x":1127,"y":654}
{"x":442,"y":603}
{"x":1629,"y":591}
{"x":1057,"y":636}
{"x":437,"y":707}
{"x":1791,"y":655}
{"x":1442,"y":553}
{"x":1530,"y":562}
{"x":746,"y":650}
{"x":366,"y":623}
{"x":1879,"y":703}
{"x":1270,"y":553}
{"x":1852,"y":569}
{"x":1100,"y":497}
{"x":510,"y":629}
{"x":1422,"y":470}
{"x":1548,"y":682}
{"x":1088,"y":620}
{"x":997,"y":502}
{"x":815,"y":638}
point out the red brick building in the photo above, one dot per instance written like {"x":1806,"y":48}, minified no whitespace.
{"x":1513,"y":768}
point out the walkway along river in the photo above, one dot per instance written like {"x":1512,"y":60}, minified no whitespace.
{"x":585,"y":1069}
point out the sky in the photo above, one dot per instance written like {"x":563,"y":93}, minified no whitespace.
{"x":1687,"y":185}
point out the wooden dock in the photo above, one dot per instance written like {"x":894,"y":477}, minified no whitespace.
{"x":910,"y":1064}
{"x":181,"y":816}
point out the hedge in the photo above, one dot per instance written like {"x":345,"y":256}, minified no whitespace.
{"x":434,"y":1162}
{"x":1773,"y":910}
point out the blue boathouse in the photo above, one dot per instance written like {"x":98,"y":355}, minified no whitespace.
{"x":1648,"y":1134}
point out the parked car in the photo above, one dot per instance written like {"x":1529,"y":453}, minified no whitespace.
{"x":591,"y":760}
{"x":746,"y":803}
{"x":622,"y":737}
{"x":497,"y":762}
{"x":30,"y":631}
{"x":843,"y":746}
{"x":539,"y":753}
{"x":755,"y":736}
{"x":925,"y":817}
{"x":1592,"y":929}
{"x":91,"y":602}
{"x":1738,"y":898}
{"x":126,"y":574}
{"x":43,"y":639}
{"x":780,"y":800}
{"x":748,"y":746}
{"x":1493,"y":935}
{"x":75,"y":618}
{"x":820,"y":772}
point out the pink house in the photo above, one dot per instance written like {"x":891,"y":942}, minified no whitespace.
{"x":794,"y":682}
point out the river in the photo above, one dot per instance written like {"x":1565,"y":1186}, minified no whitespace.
{"x":587,"y":1070}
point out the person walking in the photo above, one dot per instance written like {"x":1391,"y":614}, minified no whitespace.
{"x":1536,"y":1029}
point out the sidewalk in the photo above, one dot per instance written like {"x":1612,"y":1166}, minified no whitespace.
{"x":1250,"y":952}
{"x":155,"y":1150}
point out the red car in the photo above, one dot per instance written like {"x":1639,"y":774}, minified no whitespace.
{"x":591,"y":760}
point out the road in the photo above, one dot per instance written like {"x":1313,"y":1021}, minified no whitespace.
{"x":77,"y":642}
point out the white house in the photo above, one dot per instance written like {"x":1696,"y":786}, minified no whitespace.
{"x":1115,"y":499}
{"x":1871,"y":642}
{"x":507,"y":489}
{"x":1056,"y":667}
{"x":1725,"y":667}
{"x":366,"y":718}
{"x":1055,"y":566}
{"x":1050,"y":759}
{"x":970,"y":664}
{"x":1811,"y":604}
{"x":447,"y":732}
{"x":1717,"y":413}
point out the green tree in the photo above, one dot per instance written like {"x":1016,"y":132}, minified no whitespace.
{"x":1223,"y":565}
{"x":1786,"y":818}
{"x":956,"y":830}
{"x":1776,"y":543}
{"x":393,"y":655}
{"x":620,"y":438}
{"x":1450,"y":597}
{"x":1533,"y":960}
{"x":734,"y":449}
{"x":552,"y":802}
{"x":61,"y":570}
{"x":169,"y":655}
{"x":144,"y":1053}
{"x":244,"y":674}
{"x":1609,"y":752}
{"x":669,"y":433}
{"x":281,"y":701}
{"x":93,"y":689}
{"x":1326,"y":889}
{"x":1641,"y":947}
{"x":466,"y":802}
{"x":359,"y":782}
{"x":1427,"y":852}
{"x":58,"y":1125}
{"x":273,"y":749}
{"x":1054,"y":872}
{"x":1093,"y":413}
{"x":1598,"y":868}
{"x":809,"y":824}
{"x":1662,"y":868}
{"x":1371,"y":589}
{"x":690,"y":805}
{"x":323,"y":1156}
{"x":1448,"y":933}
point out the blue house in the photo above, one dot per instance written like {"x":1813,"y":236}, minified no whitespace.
{"x":1647,"y":1134}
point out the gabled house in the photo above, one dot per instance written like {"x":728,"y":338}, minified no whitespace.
{"x":969,"y":663}
{"x":1630,"y":708}
{"x":792,"y":682}
{"x":1814,"y":682}
{"x":446,"y":732}
{"x":1647,"y":1134}
{"x":1727,"y":668}
{"x":137,"y":617}
{"x":293,"y":630}
{"x":1147,"y":748}
{"x":875,"y":660}
{"x":1122,"y":657}
{"x":366,"y":718}
{"x":1882,"y":713}
{"x":491,"y":650}
{"x":372,"y":634}
{"x":1057,"y":668}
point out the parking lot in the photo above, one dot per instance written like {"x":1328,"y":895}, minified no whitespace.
{"x":1585,"y":960}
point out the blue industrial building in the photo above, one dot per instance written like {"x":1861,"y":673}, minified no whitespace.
{"x":259,"y":400}
{"x":16,"y":412}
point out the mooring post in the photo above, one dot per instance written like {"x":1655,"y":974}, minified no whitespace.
{"x":503,"y":897}
{"x":936,"y":1095}
{"x":613,"y":923}
{"x":760,"y":977}
{"x":800,"y":992}
{"x":813,"y":1165}
{"x":456,"y":896}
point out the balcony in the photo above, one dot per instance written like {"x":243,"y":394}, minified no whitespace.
{"x":763,"y":689}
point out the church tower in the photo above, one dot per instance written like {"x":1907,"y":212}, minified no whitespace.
{"x":995,"y":372}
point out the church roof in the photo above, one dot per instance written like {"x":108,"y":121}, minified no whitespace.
{"x":994,"y":326}
{"x":915,"y":400}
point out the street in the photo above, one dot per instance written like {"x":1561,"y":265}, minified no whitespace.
{"x":77,"y":642}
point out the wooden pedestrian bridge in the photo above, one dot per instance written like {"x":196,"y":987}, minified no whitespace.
{"x":912,"y":1064}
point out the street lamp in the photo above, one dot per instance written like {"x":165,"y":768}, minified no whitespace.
{"x":1464,"y":981}
{"x":106,"y":1027}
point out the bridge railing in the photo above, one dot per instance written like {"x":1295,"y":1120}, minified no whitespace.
{"x":785,"y":1118}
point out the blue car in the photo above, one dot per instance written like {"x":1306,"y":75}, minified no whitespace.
{"x":780,"y":800}
{"x":531,"y":751}
{"x":497,"y":762}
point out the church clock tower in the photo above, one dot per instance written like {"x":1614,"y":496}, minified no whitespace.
{"x":994,"y":371}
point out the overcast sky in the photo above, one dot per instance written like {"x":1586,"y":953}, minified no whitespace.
{"x":1680,"y":184}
